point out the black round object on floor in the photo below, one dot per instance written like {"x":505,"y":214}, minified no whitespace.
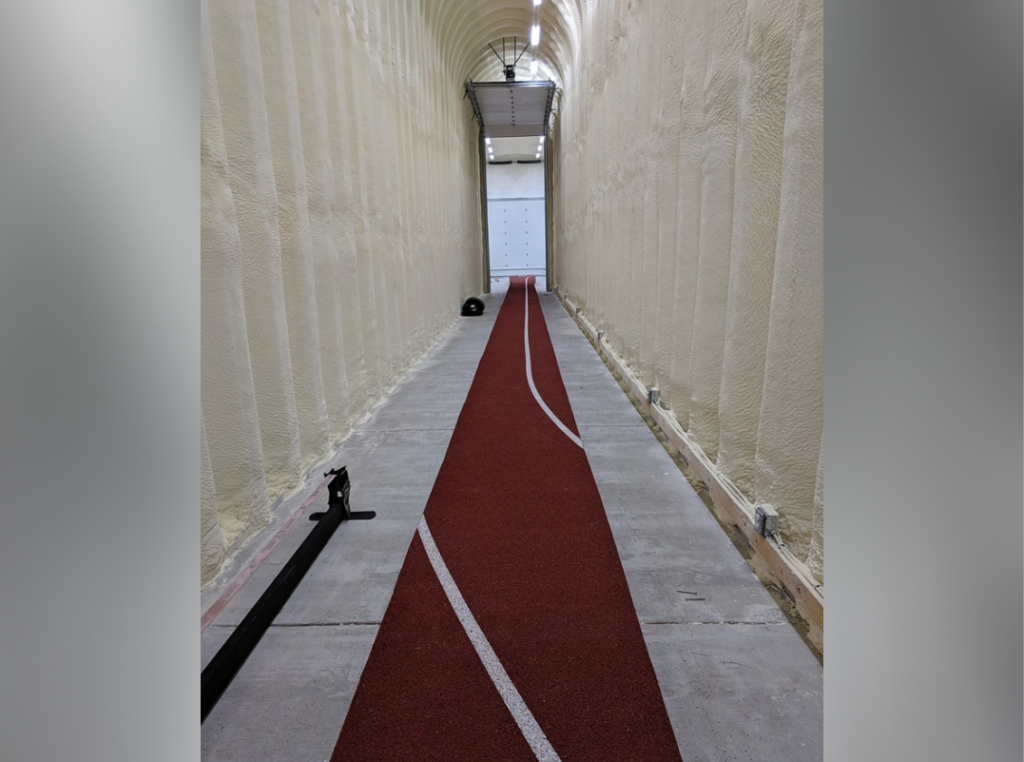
{"x":472,"y":306}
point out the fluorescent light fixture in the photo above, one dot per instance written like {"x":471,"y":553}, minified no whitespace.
{"x":536,"y":3}
{"x":538,"y":154}
{"x":541,"y":138}
{"x":535,"y":35}
{"x":487,"y":140}
{"x":533,"y":67}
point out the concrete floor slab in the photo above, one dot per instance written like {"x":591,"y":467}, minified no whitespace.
{"x":210,"y":642}
{"x":588,"y":408}
{"x":289,"y":700}
{"x":739,"y":692}
{"x":352,"y":578}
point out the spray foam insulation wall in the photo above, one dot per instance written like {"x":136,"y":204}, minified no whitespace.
{"x":688,"y":179}
{"x":340,"y":233}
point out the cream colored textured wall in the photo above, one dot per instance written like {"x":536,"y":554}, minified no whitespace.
{"x":687,"y":192}
{"x":340,"y":233}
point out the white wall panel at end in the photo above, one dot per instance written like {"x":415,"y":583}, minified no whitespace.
{"x":516,"y":236}
{"x":515,"y":181}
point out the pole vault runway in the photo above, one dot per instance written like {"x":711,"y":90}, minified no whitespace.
{"x":511,"y":634}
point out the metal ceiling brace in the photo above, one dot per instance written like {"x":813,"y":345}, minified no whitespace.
{"x":471,"y":92}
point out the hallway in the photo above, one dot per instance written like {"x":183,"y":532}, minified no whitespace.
{"x":661,"y":164}
{"x":736,"y":679}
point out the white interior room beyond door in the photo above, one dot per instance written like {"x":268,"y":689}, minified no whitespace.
{"x":515,"y":219}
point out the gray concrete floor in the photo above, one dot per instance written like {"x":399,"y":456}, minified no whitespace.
{"x":738,"y":681}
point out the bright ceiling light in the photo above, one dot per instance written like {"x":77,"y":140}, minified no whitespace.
{"x":536,"y":2}
{"x":533,"y":67}
{"x":541,"y":138}
{"x":487,"y":140}
{"x":535,"y":35}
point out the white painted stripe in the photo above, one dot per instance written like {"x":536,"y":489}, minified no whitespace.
{"x":529,"y":372}
{"x":531,"y":731}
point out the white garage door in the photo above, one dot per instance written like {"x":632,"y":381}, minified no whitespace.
{"x":516,"y":236}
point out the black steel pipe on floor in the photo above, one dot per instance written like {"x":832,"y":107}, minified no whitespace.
{"x":232,"y":655}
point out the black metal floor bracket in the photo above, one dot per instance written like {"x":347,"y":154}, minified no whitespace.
{"x":232,"y":655}
{"x":338,"y":496}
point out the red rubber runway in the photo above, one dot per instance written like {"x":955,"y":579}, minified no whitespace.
{"x":533,"y":650}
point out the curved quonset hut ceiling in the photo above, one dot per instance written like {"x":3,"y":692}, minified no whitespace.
{"x":465,"y":27}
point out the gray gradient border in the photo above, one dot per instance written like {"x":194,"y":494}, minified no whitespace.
{"x":99,"y":380}
{"x":923,"y":381}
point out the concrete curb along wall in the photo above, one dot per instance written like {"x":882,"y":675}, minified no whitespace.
{"x":730,"y":503}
